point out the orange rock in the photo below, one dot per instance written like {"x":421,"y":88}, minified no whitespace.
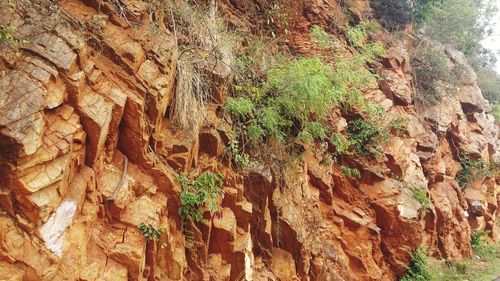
{"x":283,"y":265}
{"x":93,"y":90}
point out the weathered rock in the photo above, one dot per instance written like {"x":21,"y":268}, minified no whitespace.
{"x":88,"y":152}
{"x":476,"y":202}
{"x":451,"y":223}
{"x":395,"y":88}
{"x":21,"y":130}
{"x":283,"y":265}
{"x":471,"y":99}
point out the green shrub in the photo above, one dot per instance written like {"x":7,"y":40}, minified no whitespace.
{"x":7,"y":37}
{"x":285,"y":103}
{"x":356,"y":35}
{"x":241,"y":108}
{"x":239,"y":158}
{"x":202,"y":192}
{"x":350,"y":172}
{"x":313,"y":131}
{"x":7,"y":33}
{"x":289,"y":102}
{"x":479,"y":244}
{"x":421,"y":196}
{"x":471,"y":170}
{"x":320,"y":36}
{"x":151,"y":232}
{"x":366,"y":138}
{"x":296,"y":97}
{"x":341,"y":144}
{"x":419,"y":267}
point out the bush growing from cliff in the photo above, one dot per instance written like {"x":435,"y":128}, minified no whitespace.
{"x":292,"y":97}
{"x":199,"y":194}
{"x":419,"y":267}
{"x":297,"y":96}
{"x":350,"y":172}
{"x":7,"y":34}
{"x":151,"y":232}
{"x":238,"y":156}
{"x":8,"y":39}
{"x":286,"y":103}
{"x":321,"y":36}
{"x":471,"y":170}
{"x":479,"y":243}
{"x":366,"y":137}
{"x":421,"y":196}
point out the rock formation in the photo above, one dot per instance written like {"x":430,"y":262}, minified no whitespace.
{"x":88,"y":153}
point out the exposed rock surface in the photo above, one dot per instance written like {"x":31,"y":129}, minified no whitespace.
{"x":87,"y":153}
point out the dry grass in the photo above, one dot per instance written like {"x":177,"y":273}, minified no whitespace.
{"x":190,"y":97}
{"x":204,"y":44}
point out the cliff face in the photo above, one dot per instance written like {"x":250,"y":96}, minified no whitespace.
{"x":88,"y":153}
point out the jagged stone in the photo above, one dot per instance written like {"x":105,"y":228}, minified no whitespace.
{"x":283,"y":265}
{"x":55,"y":50}
{"x":84,"y":110}
{"x":471,"y":99}
{"x":96,"y":114}
{"x":21,"y":130}
{"x":395,"y":87}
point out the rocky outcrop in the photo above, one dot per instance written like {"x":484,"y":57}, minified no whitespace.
{"x":88,"y":152}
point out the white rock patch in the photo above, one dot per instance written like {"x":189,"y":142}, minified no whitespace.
{"x":53,"y":230}
{"x":249,"y":259}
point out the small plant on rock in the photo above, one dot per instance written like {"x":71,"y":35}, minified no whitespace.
{"x":357,"y":35}
{"x":152,"y":233}
{"x":421,"y":196}
{"x":342,"y":145}
{"x":202,"y":192}
{"x":471,"y":170}
{"x":6,"y":33}
{"x":479,"y":244}
{"x":366,"y":137}
{"x":320,"y":36}
{"x":7,"y":37}
{"x":419,"y":267}
{"x":350,"y":172}
{"x":238,"y":156}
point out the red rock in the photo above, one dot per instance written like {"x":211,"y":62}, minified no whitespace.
{"x":95,"y":89}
